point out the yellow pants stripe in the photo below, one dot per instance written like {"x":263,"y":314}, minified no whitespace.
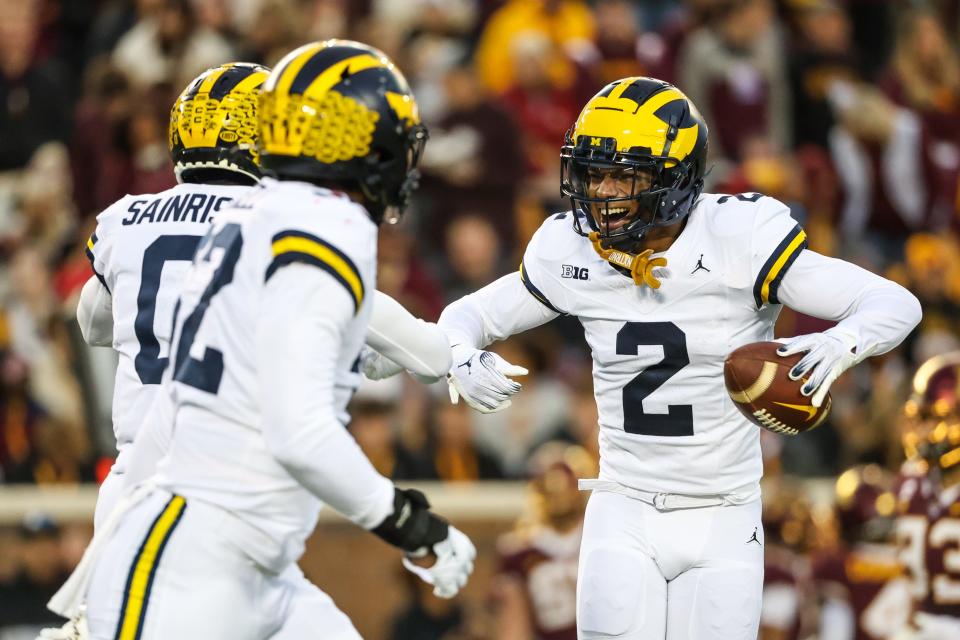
{"x":137,"y":593}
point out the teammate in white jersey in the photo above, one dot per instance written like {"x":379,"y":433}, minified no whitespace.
{"x":666,"y":282}
{"x":143,"y":245}
{"x":140,"y":253}
{"x":347,"y":482}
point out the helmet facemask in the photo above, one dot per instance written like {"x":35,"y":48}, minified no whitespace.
{"x":654,"y":191}
{"x":391,"y":177}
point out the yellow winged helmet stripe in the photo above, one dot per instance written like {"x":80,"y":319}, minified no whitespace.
{"x":636,"y":125}
{"x":331,"y":76}
{"x":405,"y":107}
{"x":290,"y":66}
{"x":195,"y":131}
{"x":279,"y":85}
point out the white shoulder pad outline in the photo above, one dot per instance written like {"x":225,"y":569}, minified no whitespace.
{"x":533,"y":260}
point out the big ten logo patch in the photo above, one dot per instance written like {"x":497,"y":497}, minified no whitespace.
{"x":574,"y":273}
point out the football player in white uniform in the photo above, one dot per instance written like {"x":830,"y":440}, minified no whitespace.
{"x":140,"y":253}
{"x":666,"y":282}
{"x":143,"y":245}
{"x":262,"y":372}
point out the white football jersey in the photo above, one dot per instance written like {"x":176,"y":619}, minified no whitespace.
{"x":140,"y":251}
{"x":667,"y":423}
{"x":218,"y":452}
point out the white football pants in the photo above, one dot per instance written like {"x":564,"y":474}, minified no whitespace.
{"x":168,"y":573}
{"x":113,"y":487}
{"x":685,"y":574}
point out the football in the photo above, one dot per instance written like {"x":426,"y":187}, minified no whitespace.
{"x":757,"y":381}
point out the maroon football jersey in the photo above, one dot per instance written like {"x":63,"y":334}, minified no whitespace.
{"x":545,"y":562}
{"x":864,"y":577}
{"x":929,"y":537}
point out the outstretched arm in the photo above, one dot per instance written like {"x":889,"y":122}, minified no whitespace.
{"x":299,"y":335}
{"x":397,"y":340}
{"x":497,"y":311}
{"x":873,"y":316}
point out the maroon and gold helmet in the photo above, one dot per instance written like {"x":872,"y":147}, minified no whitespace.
{"x":932,"y":414}
{"x":864,"y":504}
{"x":554,"y":469}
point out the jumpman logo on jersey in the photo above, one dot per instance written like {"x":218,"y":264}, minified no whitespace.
{"x":699,"y":266}
{"x":754,"y":537}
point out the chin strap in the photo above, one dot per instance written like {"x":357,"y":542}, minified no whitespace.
{"x":640,"y":265}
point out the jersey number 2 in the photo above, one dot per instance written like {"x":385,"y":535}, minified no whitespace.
{"x":221,"y":252}
{"x":678,"y":421}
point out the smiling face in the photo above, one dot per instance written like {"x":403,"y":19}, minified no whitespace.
{"x":614,"y":183}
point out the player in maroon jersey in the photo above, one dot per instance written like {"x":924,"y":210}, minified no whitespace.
{"x":928,"y":528}
{"x":535,"y":592}
{"x":786,"y":525}
{"x":863,"y":593}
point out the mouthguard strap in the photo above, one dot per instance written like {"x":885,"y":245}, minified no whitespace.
{"x":639,"y":265}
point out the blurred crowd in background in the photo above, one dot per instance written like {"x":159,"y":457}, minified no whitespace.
{"x":846,"y":110}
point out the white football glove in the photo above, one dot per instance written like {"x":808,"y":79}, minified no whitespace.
{"x":376,"y":366}
{"x":827,"y":356}
{"x":480,"y":378}
{"x":454,"y":564}
{"x":74,"y":629}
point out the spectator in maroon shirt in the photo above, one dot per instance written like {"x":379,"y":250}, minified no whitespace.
{"x":543,"y":110}
{"x":473,"y":159}
{"x":823,"y":54}
{"x":34,"y":93}
{"x":659,"y":50}
{"x":618,"y":42}
{"x":925,"y":76}
{"x":120,"y":144}
{"x":883,"y":156}
{"x":734,"y":71}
